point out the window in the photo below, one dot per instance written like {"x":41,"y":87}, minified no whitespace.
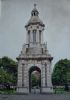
{"x":40,"y":36}
{"x":34,"y":36}
{"x":29,"y":36}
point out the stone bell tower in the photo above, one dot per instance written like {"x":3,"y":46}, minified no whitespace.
{"x":34,"y":56}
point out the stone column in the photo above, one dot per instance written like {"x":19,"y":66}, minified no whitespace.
{"x":41,"y":37}
{"x":37,"y":36}
{"x":23,"y":65}
{"x":43,"y":76}
{"x":31,"y":36}
{"x":19,"y":74}
{"x":25,"y":76}
{"x":22,"y":78}
{"x":25,"y":87}
{"x":19,"y":82}
{"x":46,"y":78}
{"x":49,"y":82}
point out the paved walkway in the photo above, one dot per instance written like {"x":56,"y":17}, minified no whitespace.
{"x":36,"y":97}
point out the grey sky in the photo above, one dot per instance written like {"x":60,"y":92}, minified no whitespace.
{"x":54,"y":13}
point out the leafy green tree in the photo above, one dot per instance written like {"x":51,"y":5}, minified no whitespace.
{"x":9,"y":64}
{"x":8,"y":71}
{"x":61,"y":73}
{"x":5,"y":77}
{"x":36,"y":81}
{"x":0,"y":62}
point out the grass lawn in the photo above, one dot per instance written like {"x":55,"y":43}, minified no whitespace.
{"x":7,"y":91}
{"x":13,"y":91}
{"x":60,"y":90}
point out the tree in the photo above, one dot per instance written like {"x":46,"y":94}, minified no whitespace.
{"x":8,"y":71}
{"x":36,"y":80}
{"x":8,"y":64}
{"x":61,"y":73}
{"x":5,"y":78}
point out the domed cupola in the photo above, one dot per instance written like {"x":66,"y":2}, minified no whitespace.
{"x":34,"y":28}
{"x":34,"y":18}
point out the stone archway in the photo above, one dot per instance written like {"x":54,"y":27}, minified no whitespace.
{"x":32,"y":69}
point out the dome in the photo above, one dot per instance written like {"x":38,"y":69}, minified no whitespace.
{"x":34,"y":18}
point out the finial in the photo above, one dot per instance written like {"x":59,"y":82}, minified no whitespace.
{"x":34,"y":6}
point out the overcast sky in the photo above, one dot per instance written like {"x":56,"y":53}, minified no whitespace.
{"x":54,"y":13}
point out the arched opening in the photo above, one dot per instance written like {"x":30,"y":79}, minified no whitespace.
{"x":34,"y":79}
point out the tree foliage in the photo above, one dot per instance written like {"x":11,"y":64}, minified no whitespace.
{"x":8,"y":64}
{"x":36,"y":81}
{"x":61,"y":72}
{"x":8,"y":71}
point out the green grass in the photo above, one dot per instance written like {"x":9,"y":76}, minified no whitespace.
{"x":60,"y":91}
{"x":6,"y":91}
{"x":13,"y":91}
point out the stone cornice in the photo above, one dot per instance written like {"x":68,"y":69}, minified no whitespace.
{"x":35,"y":58}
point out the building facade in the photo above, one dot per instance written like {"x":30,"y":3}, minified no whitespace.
{"x":34,"y":57}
